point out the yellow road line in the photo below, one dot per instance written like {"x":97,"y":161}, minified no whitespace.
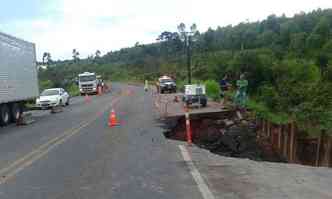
{"x":14,"y":168}
{"x":17,"y":166}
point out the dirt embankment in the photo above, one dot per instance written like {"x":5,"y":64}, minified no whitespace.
{"x":226,"y":137}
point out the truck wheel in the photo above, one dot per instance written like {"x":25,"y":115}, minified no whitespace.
{"x":4,"y":115}
{"x":16,"y":112}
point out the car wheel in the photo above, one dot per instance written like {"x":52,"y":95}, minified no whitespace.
{"x":61,"y":103}
{"x":67,"y":103}
{"x":4,"y":115}
{"x":16,"y":112}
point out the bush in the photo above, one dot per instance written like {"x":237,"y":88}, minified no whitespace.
{"x":45,"y":84}
{"x":73,"y":90}
{"x":213,"y":90}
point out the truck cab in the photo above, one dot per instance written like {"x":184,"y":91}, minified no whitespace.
{"x":87,"y":83}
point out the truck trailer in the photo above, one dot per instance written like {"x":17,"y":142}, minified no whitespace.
{"x":18,"y":77}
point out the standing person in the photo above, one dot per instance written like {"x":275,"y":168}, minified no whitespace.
{"x":224,"y":85}
{"x":146,"y":85}
{"x":241,"y":93}
{"x":158,"y":86}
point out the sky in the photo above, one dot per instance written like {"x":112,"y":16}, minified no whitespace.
{"x":59,"y":26}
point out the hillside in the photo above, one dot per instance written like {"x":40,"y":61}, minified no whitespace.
{"x":286,"y":61}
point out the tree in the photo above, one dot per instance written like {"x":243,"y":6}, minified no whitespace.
{"x":322,"y":62}
{"x":323,"y":28}
{"x":76,"y":55}
{"x":47,"y":59}
{"x":170,"y":43}
{"x":97,"y":54}
{"x":298,"y":43}
{"x":44,"y":57}
{"x":314,"y":41}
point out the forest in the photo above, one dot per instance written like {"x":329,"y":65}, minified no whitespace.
{"x":287,"y":61}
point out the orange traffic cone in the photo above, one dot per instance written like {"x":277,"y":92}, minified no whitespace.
{"x":99,"y":90}
{"x":112,"y":121}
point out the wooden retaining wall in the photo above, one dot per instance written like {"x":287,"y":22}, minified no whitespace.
{"x":288,"y":142}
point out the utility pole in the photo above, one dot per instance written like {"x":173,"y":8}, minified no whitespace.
{"x":187,"y":36}
{"x":189,"y":58}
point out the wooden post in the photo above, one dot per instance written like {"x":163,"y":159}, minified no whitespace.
{"x":263,"y":128}
{"x":271,"y":134}
{"x":268,"y":128}
{"x":285,"y":144}
{"x":279,"y":137}
{"x":319,"y":146}
{"x":329,"y":152}
{"x":291,"y":142}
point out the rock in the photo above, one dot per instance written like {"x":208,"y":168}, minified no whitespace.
{"x":228,"y":123}
{"x":25,"y":119}
{"x":56,"y":109}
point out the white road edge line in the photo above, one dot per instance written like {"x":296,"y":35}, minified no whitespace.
{"x":202,"y":186}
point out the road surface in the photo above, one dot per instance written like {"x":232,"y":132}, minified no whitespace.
{"x":74,"y":154}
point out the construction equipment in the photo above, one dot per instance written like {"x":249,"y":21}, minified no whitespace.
{"x":195,"y":93}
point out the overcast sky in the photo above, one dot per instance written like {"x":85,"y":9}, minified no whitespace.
{"x":58,"y":26}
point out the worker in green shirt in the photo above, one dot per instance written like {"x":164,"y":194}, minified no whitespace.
{"x":241,"y":93}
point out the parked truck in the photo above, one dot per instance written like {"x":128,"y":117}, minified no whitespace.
{"x":18,"y":77}
{"x":87,"y":83}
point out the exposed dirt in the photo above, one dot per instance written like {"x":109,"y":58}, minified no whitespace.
{"x":231,"y":138}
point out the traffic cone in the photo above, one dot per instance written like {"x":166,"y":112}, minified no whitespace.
{"x":100,"y":92}
{"x":112,"y":121}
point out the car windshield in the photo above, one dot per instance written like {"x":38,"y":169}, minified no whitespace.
{"x":166,"y":80}
{"x":49,"y":92}
{"x":87,"y":78}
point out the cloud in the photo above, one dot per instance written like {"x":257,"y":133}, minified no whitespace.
{"x":88,"y":25}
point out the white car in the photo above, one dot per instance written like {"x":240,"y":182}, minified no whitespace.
{"x":52,"y":97}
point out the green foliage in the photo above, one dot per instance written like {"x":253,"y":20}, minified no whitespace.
{"x":73,"y":90}
{"x":262,"y":111}
{"x":45,"y":84}
{"x":212,"y":89}
{"x":287,"y":62}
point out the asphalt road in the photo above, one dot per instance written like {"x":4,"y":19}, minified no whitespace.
{"x":74,"y":154}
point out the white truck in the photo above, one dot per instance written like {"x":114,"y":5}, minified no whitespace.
{"x":88,"y":83}
{"x":18,"y":77}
